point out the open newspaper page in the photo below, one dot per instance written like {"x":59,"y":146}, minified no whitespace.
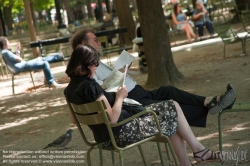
{"x":124,"y":59}
{"x":113,"y":81}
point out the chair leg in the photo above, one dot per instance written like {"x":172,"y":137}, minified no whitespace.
{"x":142,"y":155}
{"x":32,"y":81}
{"x":6,"y":71}
{"x":224,"y":50}
{"x":13,"y":88}
{"x":113,"y":158}
{"x":220,"y":134}
{"x":101,"y":158}
{"x":88,"y":156}
{"x":220,"y":131}
{"x":121,"y":158}
{"x":2,"y":72}
{"x":167,"y":151}
{"x":244,"y":47}
{"x":160,"y":153}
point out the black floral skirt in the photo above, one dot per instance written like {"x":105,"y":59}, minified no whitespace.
{"x":145,"y":126}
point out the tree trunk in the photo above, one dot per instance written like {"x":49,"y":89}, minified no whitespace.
{"x":2,"y":28}
{"x":68,"y":10}
{"x":89,"y":9}
{"x":30,"y":25}
{"x":33,"y":15}
{"x":194,"y":4}
{"x":8,"y":16}
{"x":108,"y":5}
{"x":161,"y":67}
{"x":125,"y":20}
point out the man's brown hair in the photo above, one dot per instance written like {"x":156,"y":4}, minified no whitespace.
{"x":79,"y":36}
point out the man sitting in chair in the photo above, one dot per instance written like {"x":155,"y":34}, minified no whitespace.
{"x":16,"y":64}
{"x":194,"y":107}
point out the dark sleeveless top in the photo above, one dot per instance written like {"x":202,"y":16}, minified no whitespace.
{"x":83,"y":90}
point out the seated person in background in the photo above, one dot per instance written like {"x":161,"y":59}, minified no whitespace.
{"x":83,"y":89}
{"x":181,"y":22}
{"x":200,"y":17}
{"x":108,"y":22}
{"x":17,"y":64}
{"x":195,"y":107}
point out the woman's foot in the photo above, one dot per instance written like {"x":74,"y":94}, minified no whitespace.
{"x":196,"y":37}
{"x":222,"y":102}
{"x":206,"y":155}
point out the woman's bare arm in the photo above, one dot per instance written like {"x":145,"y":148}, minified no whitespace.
{"x":115,"y":111}
{"x":174,"y":19}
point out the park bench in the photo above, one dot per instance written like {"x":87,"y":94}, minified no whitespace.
{"x":106,"y":51}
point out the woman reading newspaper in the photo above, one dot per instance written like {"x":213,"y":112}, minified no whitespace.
{"x":83,"y":89}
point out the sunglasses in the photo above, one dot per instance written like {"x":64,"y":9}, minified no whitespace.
{"x":96,"y":64}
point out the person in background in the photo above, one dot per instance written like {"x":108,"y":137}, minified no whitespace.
{"x":97,"y":13}
{"x":108,"y":22}
{"x":17,"y":64}
{"x":181,"y":22}
{"x":201,"y":19}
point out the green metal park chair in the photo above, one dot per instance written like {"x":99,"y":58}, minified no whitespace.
{"x":94,"y":113}
{"x":3,"y":67}
{"x":227,"y":33}
{"x":238,"y":107}
{"x":244,"y":14}
{"x":16,"y":73}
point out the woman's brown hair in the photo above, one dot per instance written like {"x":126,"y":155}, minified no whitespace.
{"x":81,"y":58}
{"x":176,"y":8}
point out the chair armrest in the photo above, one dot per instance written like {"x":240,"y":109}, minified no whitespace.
{"x":138,"y":115}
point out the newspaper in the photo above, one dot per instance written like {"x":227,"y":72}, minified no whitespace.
{"x":125,"y":58}
{"x":113,"y":81}
{"x":116,"y":79}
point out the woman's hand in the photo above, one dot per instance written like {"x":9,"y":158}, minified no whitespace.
{"x":122,"y":92}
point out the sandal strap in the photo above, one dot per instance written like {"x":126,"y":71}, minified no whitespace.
{"x":212,"y":103}
{"x":201,"y":157}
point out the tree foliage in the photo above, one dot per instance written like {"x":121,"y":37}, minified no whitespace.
{"x":18,"y":6}
{"x":43,"y":4}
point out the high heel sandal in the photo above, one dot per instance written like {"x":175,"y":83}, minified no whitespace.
{"x":226,"y":101}
{"x":230,"y":86}
{"x":214,"y":156}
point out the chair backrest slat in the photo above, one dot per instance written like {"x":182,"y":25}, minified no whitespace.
{"x":89,"y":108}
{"x":224,"y":29}
{"x":91,"y":119}
{"x":91,"y":113}
{"x":245,"y":18}
{"x":10,"y":70}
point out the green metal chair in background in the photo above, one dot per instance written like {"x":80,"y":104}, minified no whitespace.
{"x":238,"y":107}
{"x":17,"y":73}
{"x":3,"y":67}
{"x":227,"y":33}
{"x":94,"y":113}
{"x":245,"y":19}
